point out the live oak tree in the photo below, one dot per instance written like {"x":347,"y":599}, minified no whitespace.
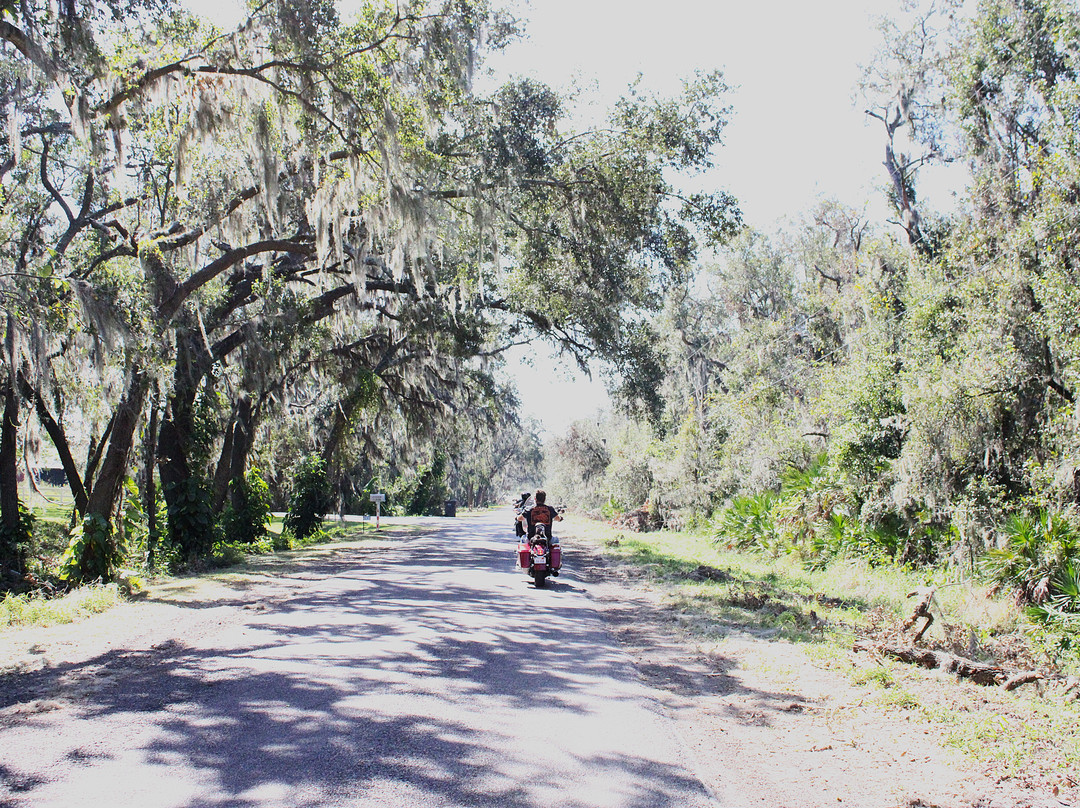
{"x":316,"y":213}
{"x":284,"y":61}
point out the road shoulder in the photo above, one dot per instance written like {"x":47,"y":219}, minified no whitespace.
{"x":767,"y":725}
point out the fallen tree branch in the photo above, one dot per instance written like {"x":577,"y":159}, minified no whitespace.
{"x":922,"y":609}
{"x":940,"y":660}
{"x":1019,"y":679}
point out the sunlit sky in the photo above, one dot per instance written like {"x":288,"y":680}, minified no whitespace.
{"x":796,"y":134}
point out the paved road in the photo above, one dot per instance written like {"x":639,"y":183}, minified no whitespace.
{"x":431,"y":674}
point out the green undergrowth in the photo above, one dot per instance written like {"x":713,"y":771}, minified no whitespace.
{"x":732,"y":589}
{"x":39,"y":610}
{"x":1032,"y":734}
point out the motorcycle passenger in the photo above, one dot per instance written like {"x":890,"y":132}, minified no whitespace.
{"x":519,"y":507}
{"x":540,"y":513}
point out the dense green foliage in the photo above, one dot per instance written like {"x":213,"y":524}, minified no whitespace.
{"x":246,"y":518}
{"x":93,"y":552}
{"x":310,"y":498}
{"x":902,"y":390}
{"x":15,"y":542}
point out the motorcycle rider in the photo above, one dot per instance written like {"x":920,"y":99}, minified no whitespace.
{"x":540,"y":513}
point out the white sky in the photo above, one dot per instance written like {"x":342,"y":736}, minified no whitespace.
{"x":795,"y":135}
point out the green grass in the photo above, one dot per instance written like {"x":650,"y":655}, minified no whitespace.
{"x":780,"y":593}
{"x":36,"y":610}
{"x":715,"y":592}
{"x":51,"y":503}
{"x":1016,"y":734}
{"x":730,"y":589}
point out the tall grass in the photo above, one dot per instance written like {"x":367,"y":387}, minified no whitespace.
{"x":36,"y":610}
{"x":855,"y":584}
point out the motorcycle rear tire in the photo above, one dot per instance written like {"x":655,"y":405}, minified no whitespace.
{"x":539,"y":579}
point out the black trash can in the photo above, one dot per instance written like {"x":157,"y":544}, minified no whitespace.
{"x":450,"y":507}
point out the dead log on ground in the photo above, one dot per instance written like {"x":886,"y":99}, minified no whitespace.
{"x":1024,"y":678}
{"x":940,"y":660}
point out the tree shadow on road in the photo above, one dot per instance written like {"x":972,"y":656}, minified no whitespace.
{"x":401,"y":684}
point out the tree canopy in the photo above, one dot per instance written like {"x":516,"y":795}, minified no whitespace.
{"x":312,"y":236}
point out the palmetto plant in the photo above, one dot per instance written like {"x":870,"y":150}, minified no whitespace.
{"x":1039,"y":560}
{"x":1064,"y":602}
{"x":807,"y":515}
{"x":749,"y":522}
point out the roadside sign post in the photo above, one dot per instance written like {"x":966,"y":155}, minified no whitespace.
{"x":378,"y":499}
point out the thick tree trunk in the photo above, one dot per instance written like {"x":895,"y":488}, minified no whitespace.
{"x":175,"y":478}
{"x":188,"y":526}
{"x":243,"y":431}
{"x":232,"y":464}
{"x":224,"y":467}
{"x":105,"y":494}
{"x":149,"y":488}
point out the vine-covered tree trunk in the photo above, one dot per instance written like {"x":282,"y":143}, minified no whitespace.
{"x":224,"y":466}
{"x":190,"y":521}
{"x":243,"y":429}
{"x":149,"y":488}
{"x":232,"y":464}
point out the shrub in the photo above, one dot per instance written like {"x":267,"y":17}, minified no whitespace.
{"x":92,"y":553}
{"x":283,"y":540}
{"x":431,"y":490}
{"x":15,"y":542}
{"x":1063,"y":602}
{"x":231,"y":553}
{"x":191,"y":521}
{"x":153,"y":552}
{"x":1039,"y":550}
{"x":247,"y":518}
{"x":748,"y":522}
{"x":310,"y":498}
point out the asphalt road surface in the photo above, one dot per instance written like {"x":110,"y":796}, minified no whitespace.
{"x":428,"y":674}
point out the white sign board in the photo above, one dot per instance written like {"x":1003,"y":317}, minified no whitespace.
{"x":377,"y":497}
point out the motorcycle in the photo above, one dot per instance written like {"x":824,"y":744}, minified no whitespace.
{"x":539,"y":556}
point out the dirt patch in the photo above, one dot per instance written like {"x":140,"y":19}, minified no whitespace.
{"x":770,"y":726}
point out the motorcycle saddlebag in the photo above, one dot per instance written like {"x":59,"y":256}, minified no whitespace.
{"x":556,"y":556}
{"x":523,"y":556}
